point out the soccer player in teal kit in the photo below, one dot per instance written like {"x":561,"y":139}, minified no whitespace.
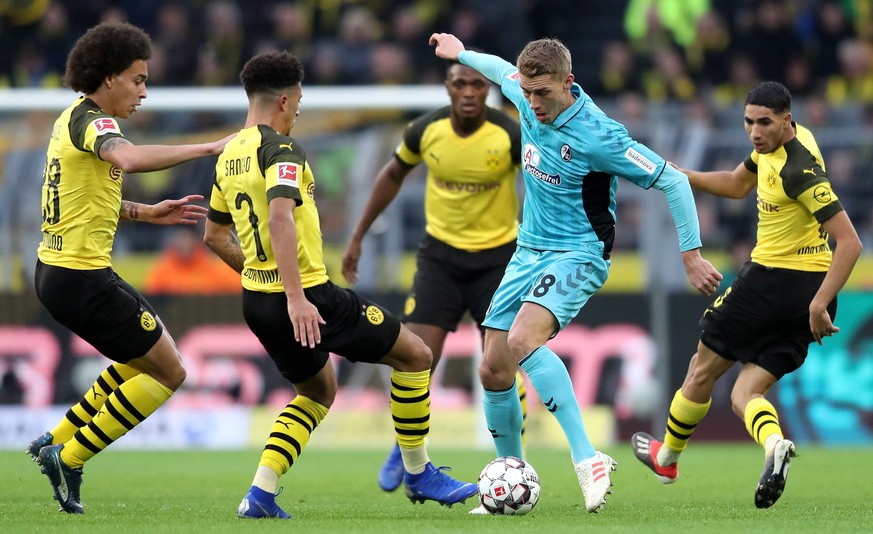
{"x":572,"y":156}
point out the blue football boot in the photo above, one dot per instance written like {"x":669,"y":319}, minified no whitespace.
{"x":435,"y":485}
{"x":65,"y":480}
{"x":36,"y":445}
{"x":260,"y":504}
{"x":391,"y":474}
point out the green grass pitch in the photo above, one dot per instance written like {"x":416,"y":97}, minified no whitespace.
{"x":829,"y":491}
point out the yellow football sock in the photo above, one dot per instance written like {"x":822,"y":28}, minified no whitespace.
{"x":762,"y":421}
{"x":291,"y":433}
{"x":683,"y":418}
{"x":126,"y":407}
{"x":81,"y":413}
{"x":410,"y":410}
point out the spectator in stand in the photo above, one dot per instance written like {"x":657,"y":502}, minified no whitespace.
{"x":799,"y":78}
{"x":188,"y":267}
{"x":652,"y":24}
{"x":668,"y":79}
{"x":292,"y":30}
{"x":772,"y":39}
{"x":391,"y":65}
{"x":618,"y":71}
{"x":831,"y":27}
{"x":410,"y":30}
{"x":855,"y":79}
{"x":358,"y":35}
{"x":742,"y":76}
{"x":179,"y":41}
{"x":707,"y":56}
{"x":219,"y":59}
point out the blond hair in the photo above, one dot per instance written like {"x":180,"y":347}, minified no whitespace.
{"x":544,"y":56}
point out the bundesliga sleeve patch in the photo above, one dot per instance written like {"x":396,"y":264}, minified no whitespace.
{"x":106,"y":125}
{"x":286,"y":174}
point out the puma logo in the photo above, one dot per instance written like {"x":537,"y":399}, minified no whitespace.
{"x":809,"y":171}
{"x":287,"y":145}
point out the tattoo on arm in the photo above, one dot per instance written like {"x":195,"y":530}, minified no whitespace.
{"x":129,"y":210}
{"x":234,"y":255}
{"x":111,"y":144}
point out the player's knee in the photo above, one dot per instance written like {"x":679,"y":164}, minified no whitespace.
{"x":421,"y":357}
{"x":495,"y":377}
{"x":415,"y":357}
{"x":519,"y":344}
{"x":177,"y":376}
{"x":323,"y":393}
{"x":170,"y":375}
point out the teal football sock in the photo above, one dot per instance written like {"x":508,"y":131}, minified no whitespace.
{"x":552,"y":382}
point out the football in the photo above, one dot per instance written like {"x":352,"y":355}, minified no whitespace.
{"x":509,"y":486}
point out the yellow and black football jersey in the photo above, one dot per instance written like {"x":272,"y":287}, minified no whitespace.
{"x":794,"y":199}
{"x":81,"y":193}
{"x":257,"y":166}
{"x":470,"y":200}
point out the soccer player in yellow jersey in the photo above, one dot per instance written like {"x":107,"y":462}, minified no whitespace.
{"x":782,"y":300}
{"x":86,"y":159}
{"x":265,"y":191}
{"x":472,"y":153}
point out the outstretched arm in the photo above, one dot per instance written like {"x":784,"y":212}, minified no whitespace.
{"x":734,"y":184}
{"x":145,"y":158}
{"x":166,"y":212}
{"x":385,"y":189}
{"x":702,"y":275}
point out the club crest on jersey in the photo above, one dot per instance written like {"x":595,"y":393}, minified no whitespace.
{"x":530,"y":156}
{"x":115,"y":173}
{"x":106,"y":125}
{"x":566,"y":152}
{"x":287,"y":174}
{"x":374,"y":315}
{"x":147,"y":321}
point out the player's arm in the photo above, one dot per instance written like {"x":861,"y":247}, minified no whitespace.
{"x":225,"y":244}
{"x":846,"y":253}
{"x":451,"y":48}
{"x":144,"y":158}
{"x":283,"y":235}
{"x":729,"y":184}
{"x":385,"y":189}
{"x":166,"y":212}
{"x":702,"y":275}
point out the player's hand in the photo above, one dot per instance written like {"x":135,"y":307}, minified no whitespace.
{"x":350,"y":261}
{"x":820,"y":324}
{"x":447,"y":45}
{"x":216,"y":147}
{"x":702,"y":275}
{"x":677,"y":167}
{"x":180,"y":211}
{"x":306,"y":321}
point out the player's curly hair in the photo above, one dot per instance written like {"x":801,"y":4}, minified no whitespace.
{"x":270,"y":73}
{"x":104,"y":50}
{"x":545,"y":56}
{"x":772,"y":95}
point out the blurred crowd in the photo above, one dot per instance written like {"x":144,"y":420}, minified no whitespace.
{"x":660,"y":49}
{"x":696,"y":59}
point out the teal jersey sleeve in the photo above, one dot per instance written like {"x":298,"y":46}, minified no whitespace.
{"x":680,"y":200}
